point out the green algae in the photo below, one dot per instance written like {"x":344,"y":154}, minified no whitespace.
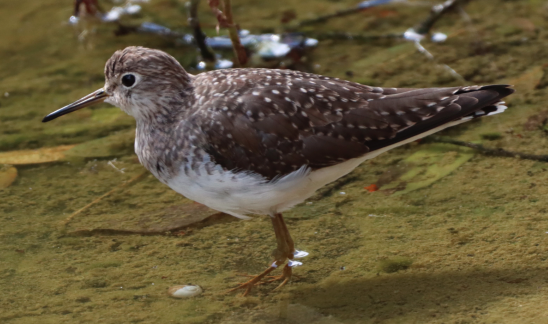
{"x":394,"y":265}
{"x":426,"y":166}
{"x":117,"y":144}
{"x":476,"y":235}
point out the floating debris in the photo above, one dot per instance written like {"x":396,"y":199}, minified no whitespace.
{"x":184,"y":291}
{"x":152,"y":28}
{"x":92,"y":8}
{"x":267,"y":47}
{"x":264,"y":46}
{"x":371,"y":188}
{"x":117,"y":12}
{"x":111,"y":163}
{"x":219,"y":64}
{"x":285,"y":42}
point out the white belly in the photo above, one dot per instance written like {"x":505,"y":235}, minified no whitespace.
{"x":249,"y":193}
{"x":242,"y":194}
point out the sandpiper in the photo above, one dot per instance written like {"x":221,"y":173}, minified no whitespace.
{"x":259,"y":141}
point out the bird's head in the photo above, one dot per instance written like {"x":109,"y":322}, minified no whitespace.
{"x":142,"y":82}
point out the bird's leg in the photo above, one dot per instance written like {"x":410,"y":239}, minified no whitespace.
{"x":286,"y":247}
{"x":285,"y":250}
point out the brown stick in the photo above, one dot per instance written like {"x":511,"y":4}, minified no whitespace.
{"x":96,"y":200}
{"x":225,"y":20}
{"x":239,"y":50}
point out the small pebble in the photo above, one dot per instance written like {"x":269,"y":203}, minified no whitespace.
{"x":184,"y":291}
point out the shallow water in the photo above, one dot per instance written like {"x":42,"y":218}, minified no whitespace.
{"x":468,"y":243}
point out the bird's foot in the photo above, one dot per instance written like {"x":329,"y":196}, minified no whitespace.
{"x":254,"y":280}
{"x":257,"y":280}
{"x":284,"y":277}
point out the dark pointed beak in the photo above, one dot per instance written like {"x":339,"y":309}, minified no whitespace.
{"x":91,"y":99}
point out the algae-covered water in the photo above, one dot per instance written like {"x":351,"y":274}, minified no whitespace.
{"x":452,"y":236}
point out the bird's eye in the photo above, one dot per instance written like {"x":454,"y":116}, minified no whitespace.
{"x":128,"y":80}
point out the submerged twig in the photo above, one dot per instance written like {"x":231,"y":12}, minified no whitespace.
{"x":489,"y":151}
{"x":417,"y":33}
{"x":199,"y":35}
{"x":431,"y":57}
{"x":360,"y":7}
{"x":436,"y":13}
{"x":96,"y":200}
{"x":356,"y":37}
{"x":215,"y":218}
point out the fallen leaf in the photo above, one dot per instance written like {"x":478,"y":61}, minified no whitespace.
{"x":42,"y":155}
{"x":7,"y":176}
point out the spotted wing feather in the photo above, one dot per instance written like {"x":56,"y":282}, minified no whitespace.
{"x":273,"y":122}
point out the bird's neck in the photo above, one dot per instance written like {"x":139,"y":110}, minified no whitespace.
{"x":159,"y":134}
{"x":153,"y":143}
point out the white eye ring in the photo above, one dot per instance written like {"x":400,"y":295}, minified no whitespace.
{"x":130,"y":79}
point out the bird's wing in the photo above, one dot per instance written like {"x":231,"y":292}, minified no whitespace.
{"x":273,"y":122}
